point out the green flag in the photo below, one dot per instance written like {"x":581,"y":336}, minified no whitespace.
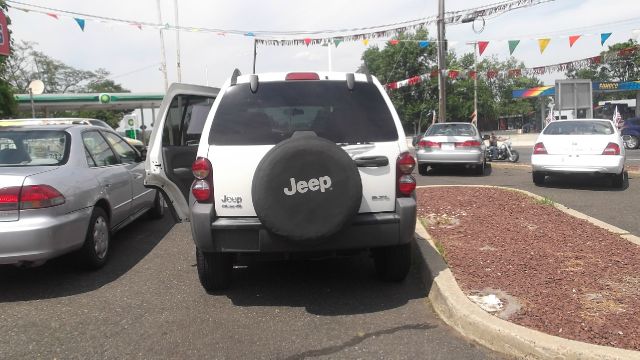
{"x":512,"y":46}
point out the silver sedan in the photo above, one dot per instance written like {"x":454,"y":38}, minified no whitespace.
{"x":452,"y":143}
{"x":66,"y":188}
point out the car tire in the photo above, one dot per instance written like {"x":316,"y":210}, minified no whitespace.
{"x":392,"y":263}
{"x":538,"y":178}
{"x":515,"y":156}
{"x":631,"y":142}
{"x":479,"y":169}
{"x":618,"y":180}
{"x":157,"y":211}
{"x":422,"y":169}
{"x":95,"y":250}
{"x":214,"y":270}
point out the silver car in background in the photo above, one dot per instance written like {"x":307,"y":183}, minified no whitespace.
{"x":65,"y":188}
{"x":451,"y":143}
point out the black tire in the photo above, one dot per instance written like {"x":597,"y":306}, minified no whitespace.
{"x":618,"y":180}
{"x":95,"y":250}
{"x":157,"y":211}
{"x":214,"y":270}
{"x":479,"y":169}
{"x":328,"y":200}
{"x":631,"y":142}
{"x":422,"y":169}
{"x":538,"y":178}
{"x":515,"y":156}
{"x":393,"y":262}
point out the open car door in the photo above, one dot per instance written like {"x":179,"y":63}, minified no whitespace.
{"x":174,"y":143}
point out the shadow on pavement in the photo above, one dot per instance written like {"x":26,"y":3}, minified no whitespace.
{"x":62,"y":277}
{"x":584,"y":182}
{"x":327,"y":287}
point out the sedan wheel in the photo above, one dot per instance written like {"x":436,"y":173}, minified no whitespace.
{"x":95,"y":250}
{"x":630,"y":142}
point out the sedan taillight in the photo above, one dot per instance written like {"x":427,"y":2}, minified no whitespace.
{"x":428,"y":144}
{"x":9,"y":198}
{"x":29,"y":197}
{"x":539,"y":149}
{"x":612,"y":149}
{"x":468,"y":143}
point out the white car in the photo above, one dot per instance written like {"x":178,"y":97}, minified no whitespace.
{"x":579,"y":146}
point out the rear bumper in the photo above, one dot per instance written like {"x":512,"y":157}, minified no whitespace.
{"x":36,"y":238}
{"x":475,"y":156}
{"x":584,"y":164}
{"x":247,"y":234}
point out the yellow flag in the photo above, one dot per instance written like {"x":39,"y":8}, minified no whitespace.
{"x":365,"y":42}
{"x":543,"y":44}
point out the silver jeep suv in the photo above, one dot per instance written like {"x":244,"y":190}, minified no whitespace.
{"x":286,"y":162}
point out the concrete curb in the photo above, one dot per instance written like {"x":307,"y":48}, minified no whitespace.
{"x":453,"y":306}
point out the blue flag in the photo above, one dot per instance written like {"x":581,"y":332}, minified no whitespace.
{"x":423,"y":44}
{"x":80,"y":23}
{"x":604,"y":37}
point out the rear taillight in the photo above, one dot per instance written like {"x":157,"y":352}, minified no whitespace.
{"x":9,"y":198}
{"x":468,"y":143}
{"x":202,"y":187}
{"x":612,"y":149}
{"x":539,"y":149}
{"x":302,"y":76}
{"x":428,"y":144}
{"x":29,"y":197}
{"x":406,"y":183}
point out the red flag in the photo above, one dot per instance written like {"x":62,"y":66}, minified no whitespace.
{"x":307,"y":41}
{"x":453,"y":74}
{"x":482,"y":46}
{"x":473,"y":74}
{"x":491,"y":74}
{"x":573,"y":39}
{"x":53,"y":15}
{"x":4,"y":36}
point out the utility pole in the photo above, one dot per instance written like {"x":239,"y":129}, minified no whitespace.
{"x":179,"y":69}
{"x":163,"y":58}
{"x":442,"y":51}
{"x":475,"y":81}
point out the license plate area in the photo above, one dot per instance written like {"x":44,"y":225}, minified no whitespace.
{"x":448,"y":146}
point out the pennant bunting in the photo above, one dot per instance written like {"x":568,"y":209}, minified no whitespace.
{"x":365,"y":42}
{"x":473,"y":74}
{"x":337,"y":42}
{"x":249,"y":34}
{"x":603,"y":38}
{"x":543,"y":43}
{"x":53,"y":15}
{"x":394,"y":41}
{"x":80,"y":23}
{"x":423,"y":44}
{"x":482,"y":46}
{"x":307,"y":41}
{"x":573,"y":39}
{"x":453,"y":74}
{"x":513,"y":44}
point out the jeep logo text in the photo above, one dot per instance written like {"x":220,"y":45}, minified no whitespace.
{"x":321,"y":184}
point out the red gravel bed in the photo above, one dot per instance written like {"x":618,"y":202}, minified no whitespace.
{"x":571,"y":278}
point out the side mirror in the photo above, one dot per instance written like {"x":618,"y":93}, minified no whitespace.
{"x":485,"y":137}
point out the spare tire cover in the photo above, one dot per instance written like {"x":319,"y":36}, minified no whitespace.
{"x":306,"y":188}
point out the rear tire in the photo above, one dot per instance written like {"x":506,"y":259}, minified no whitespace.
{"x":422,"y":169}
{"x":393,"y":262}
{"x":95,"y":250}
{"x":515,"y":156}
{"x":214,"y":270}
{"x":618,"y":180}
{"x":538,"y":178}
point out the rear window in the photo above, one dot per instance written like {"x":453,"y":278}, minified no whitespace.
{"x":278,"y":109}
{"x":579,"y":128}
{"x":451,"y":130}
{"x":33,"y":148}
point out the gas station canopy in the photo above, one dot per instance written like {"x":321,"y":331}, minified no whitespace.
{"x":98,"y":101}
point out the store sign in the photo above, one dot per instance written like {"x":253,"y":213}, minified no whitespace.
{"x":4,"y":36}
{"x":608,"y":86}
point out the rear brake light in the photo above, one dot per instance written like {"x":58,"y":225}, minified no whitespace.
{"x":201,"y":190}
{"x":404,"y":167}
{"x":468,"y":143}
{"x":201,"y":168}
{"x":428,"y":144}
{"x":612,"y":149}
{"x":539,"y":149}
{"x":39,"y":196}
{"x":406,"y":163}
{"x":406,"y":185}
{"x":9,"y":198}
{"x":302,"y":76}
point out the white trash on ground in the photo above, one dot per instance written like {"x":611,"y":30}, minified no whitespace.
{"x":489,"y":303}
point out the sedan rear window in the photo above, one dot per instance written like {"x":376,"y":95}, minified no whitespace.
{"x":569,"y":127}
{"x":33,"y":148}
{"x":278,"y":109}
{"x":451,"y":130}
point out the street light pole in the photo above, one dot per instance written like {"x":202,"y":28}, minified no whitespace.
{"x":442,"y":51}
{"x":179,"y":68}
{"x":163,"y":59}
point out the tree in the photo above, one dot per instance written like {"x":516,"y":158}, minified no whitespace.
{"x":8,"y":106}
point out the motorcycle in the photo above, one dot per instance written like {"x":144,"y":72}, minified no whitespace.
{"x":503,"y":152}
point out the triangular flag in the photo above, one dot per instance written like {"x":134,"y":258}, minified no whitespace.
{"x":80,"y":23}
{"x":53,"y":15}
{"x":423,"y":44}
{"x":249,"y":34}
{"x":337,"y":42}
{"x":573,"y":39}
{"x":604,"y":37}
{"x":394,"y":42}
{"x":543,"y":43}
{"x":513,"y":44}
{"x":482,"y":46}
{"x":307,"y":41}
{"x":365,"y":42}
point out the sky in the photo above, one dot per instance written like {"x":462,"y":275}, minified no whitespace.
{"x":133,"y":56}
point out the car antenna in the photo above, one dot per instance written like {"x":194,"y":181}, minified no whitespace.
{"x":234,"y":77}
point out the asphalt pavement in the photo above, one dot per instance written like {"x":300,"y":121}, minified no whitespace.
{"x":148,"y":303}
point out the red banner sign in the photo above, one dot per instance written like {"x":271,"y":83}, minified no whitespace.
{"x":4,"y":36}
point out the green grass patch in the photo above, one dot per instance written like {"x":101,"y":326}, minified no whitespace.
{"x":545,"y":201}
